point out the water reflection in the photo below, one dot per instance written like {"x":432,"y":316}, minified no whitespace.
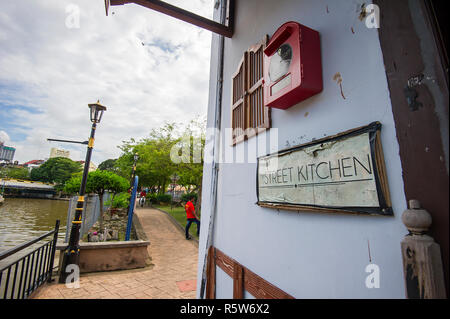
{"x":23,"y":219}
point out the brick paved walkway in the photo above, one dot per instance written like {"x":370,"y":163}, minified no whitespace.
{"x":173,"y":274}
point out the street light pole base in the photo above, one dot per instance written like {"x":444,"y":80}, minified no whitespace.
{"x":68,"y":260}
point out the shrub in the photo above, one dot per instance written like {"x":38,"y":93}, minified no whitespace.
{"x":152,"y":198}
{"x":121,"y":200}
{"x":15,"y":172}
{"x":189,"y":196}
{"x":163,"y":198}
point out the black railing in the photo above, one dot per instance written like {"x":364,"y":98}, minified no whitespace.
{"x":19,"y":278}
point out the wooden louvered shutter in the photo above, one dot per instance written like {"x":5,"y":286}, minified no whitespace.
{"x":258,"y":116}
{"x":249,"y":115}
{"x":238,"y":116}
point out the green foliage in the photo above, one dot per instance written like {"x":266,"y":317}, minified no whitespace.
{"x":98,"y":182}
{"x":191,"y":145}
{"x":56,"y":170}
{"x":154,"y":166}
{"x":72,"y":186}
{"x":152,"y":197}
{"x":15,"y":172}
{"x":163,"y":198}
{"x":169,"y":149}
{"x":119,"y":201}
{"x":108,"y":165}
{"x":189,"y":196}
{"x":158,"y":198}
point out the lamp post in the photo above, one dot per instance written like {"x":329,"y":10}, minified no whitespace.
{"x":133,"y":174}
{"x":72,"y":253}
{"x":174,"y":178}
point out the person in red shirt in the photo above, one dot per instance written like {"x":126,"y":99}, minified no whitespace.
{"x":191,"y":218}
{"x":142,"y":199}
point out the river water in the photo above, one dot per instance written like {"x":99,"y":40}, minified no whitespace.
{"x":23,"y":219}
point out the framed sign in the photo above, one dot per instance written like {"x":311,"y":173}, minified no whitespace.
{"x":342,"y":173}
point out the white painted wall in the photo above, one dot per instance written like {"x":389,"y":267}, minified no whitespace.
{"x":309,"y":255}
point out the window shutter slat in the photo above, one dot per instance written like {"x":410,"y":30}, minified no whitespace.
{"x":249,"y":115}
{"x":261,"y":119}
{"x":238,"y":117}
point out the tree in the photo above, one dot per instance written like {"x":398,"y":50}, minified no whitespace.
{"x":98,"y":182}
{"x":190,"y":168}
{"x":154,"y":166}
{"x":56,"y":170}
{"x":15,"y":172}
{"x":169,"y":149}
{"x":108,"y":165}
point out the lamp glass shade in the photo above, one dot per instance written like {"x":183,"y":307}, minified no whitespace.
{"x":96,"y":112}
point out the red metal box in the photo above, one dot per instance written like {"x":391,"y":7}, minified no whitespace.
{"x":292,"y":66}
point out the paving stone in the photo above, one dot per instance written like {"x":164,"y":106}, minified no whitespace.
{"x":187,"y":285}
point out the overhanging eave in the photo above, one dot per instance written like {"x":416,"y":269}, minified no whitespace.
{"x":184,"y":15}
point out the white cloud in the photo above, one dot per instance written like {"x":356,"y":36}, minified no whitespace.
{"x":4,"y":137}
{"x":49,"y":73}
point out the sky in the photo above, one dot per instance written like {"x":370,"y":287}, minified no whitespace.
{"x":57,"y":56}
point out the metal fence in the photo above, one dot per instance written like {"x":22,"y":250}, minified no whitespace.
{"x":176,"y":194}
{"x":91,"y":213}
{"x":20,"y":277}
{"x":107,"y":203}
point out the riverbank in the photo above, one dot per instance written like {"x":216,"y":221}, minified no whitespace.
{"x":30,"y":197}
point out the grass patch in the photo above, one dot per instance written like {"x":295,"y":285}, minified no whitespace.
{"x":180,"y":216}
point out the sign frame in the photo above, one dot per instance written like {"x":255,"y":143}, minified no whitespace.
{"x":379,"y":173}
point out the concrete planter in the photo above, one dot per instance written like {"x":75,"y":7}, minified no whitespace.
{"x":113,"y":255}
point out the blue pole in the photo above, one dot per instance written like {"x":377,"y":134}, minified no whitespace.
{"x":131,"y":209}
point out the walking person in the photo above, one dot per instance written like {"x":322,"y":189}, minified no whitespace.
{"x":191,"y":218}
{"x":142,"y":199}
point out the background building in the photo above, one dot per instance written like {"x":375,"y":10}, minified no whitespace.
{"x":32,"y":164}
{"x":55,"y":152}
{"x":92,"y":166}
{"x":6,"y":153}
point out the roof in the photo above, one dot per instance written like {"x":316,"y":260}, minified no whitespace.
{"x":33,"y":162}
{"x":13,"y":183}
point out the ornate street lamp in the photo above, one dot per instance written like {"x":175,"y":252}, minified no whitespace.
{"x":72,"y":253}
{"x":133,"y":173}
{"x":96,"y":111}
{"x":174,"y":179}
{"x":133,"y":193}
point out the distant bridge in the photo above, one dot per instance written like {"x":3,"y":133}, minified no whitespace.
{"x":21,"y":188}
